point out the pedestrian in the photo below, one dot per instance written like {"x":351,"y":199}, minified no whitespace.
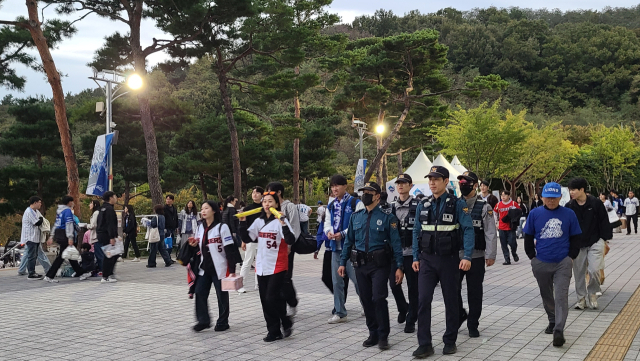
{"x":304,"y":214}
{"x":274,"y":236}
{"x":484,"y":251}
{"x":290,"y":211}
{"x":405,"y":209}
{"x":107,"y":231}
{"x":94,"y":207}
{"x":30,"y":236}
{"x":63,"y":235}
{"x":551,"y":242}
{"x":218,"y":256}
{"x":614,"y":223}
{"x":87,"y":259}
{"x":130,"y":231}
{"x":445,"y":228}
{"x":336,"y":224}
{"x":158,"y":221}
{"x":372,"y":244}
{"x":620,"y":209}
{"x":537,"y":202}
{"x":525,"y":212}
{"x":171,"y":220}
{"x":251,"y":249}
{"x":506,"y":232}
{"x":631,"y":205}
{"x":596,"y":230}
{"x":43,"y":227}
{"x":228,"y":212}
{"x":486,"y":195}
{"x":188,"y":221}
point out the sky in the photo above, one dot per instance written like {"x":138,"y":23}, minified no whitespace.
{"x":73,"y":54}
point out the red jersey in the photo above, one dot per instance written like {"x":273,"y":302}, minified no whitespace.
{"x":273,"y":251}
{"x":501,"y":209}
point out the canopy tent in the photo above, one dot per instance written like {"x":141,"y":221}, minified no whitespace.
{"x":455,"y":162}
{"x":420,"y":167}
{"x":453,"y":172}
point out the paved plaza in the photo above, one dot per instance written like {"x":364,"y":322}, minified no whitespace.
{"x":148,"y":316}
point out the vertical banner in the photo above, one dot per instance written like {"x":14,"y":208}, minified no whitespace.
{"x":99,"y":173}
{"x":360,"y":172}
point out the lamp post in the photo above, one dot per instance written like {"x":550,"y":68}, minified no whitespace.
{"x":116,"y":83}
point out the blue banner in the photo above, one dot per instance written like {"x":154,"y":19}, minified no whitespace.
{"x":361,"y":170}
{"x":99,"y":174}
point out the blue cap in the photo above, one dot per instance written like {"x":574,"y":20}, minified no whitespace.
{"x":552,"y":190}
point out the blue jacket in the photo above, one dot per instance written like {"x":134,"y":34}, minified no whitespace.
{"x":464,"y":219}
{"x":345,"y":216}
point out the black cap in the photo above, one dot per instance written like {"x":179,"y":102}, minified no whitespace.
{"x":470,"y":176}
{"x":404,"y":177}
{"x":371,"y":186}
{"x":438,"y":172}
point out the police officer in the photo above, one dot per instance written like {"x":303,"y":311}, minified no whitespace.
{"x":372,"y":244}
{"x":444,"y":229}
{"x":486,"y":242}
{"x":405,"y":209}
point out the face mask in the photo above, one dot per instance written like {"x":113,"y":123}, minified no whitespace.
{"x":466,"y":189}
{"x":367,"y":199}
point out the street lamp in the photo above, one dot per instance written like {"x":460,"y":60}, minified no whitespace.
{"x":362,"y":128}
{"x":116,"y":85}
{"x":380,"y":128}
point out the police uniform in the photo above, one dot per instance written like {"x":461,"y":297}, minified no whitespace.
{"x":406,"y":213}
{"x":485,"y":245}
{"x":372,"y":244}
{"x":444,"y":229}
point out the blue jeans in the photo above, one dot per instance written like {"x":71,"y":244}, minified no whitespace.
{"x":338,"y":283}
{"x":41,"y":257}
{"x":508,"y":239}
{"x":97,"y":251}
{"x":158,"y":247}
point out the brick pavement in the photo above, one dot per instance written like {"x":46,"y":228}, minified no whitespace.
{"x":147,"y":316}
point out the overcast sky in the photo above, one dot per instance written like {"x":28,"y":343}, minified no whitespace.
{"x":73,"y":54}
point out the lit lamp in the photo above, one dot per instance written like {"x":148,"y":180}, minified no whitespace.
{"x":380,"y":128}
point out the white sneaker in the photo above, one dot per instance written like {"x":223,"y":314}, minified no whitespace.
{"x":598,"y":294}
{"x":242,"y":290}
{"x":293,"y":311}
{"x":109,"y":280}
{"x":120,"y":259}
{"x":50,"y":280}
{"x":85,"y":275}
{"x":593,"y":302}
{"x":135,"y":259}
{"x":580,"y":305}
{"x":337,"y":319}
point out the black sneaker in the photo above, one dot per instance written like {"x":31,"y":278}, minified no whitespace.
{"x":168,"y":265}
{"x":549,"y":329}
{"x":515,"y":257}
{"x":449,"y":349}
{"x":199,"y":327}
{"x":221,"y":328}
{"x":287,"y":332}
{"x":473,"y":333}
{"x":271,"y":338}
{"x":463,"y":318}
{"x":35,"y":277}
{"x":371,"y":341}
{"x":423,"y":351}
{"x":506,"y":263}
{"x":148,"y":266}
{"x":409,"y":328}
{"x":383,"y":344}
{"x":402,"y":316}
{"x":558,"y":338}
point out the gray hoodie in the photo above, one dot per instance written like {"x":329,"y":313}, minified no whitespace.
{"x":290,"y":211}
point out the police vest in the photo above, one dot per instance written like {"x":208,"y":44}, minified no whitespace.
{"x":406,"y":224}
{"x":441,"y":235}
{"x":478,"y":225}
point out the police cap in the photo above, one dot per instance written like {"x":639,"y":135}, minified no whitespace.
{"x":438,"y":172}
{"x":470,"y":176}
{"x":404,"y":178}
{"x":371,"y":186}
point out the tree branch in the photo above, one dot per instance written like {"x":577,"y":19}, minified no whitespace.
{"x":21,"y":24}
{"x":255,"y":113}
{"x":436,"y":93}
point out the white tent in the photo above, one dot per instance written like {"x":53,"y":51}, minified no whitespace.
{"x":455,"y":162}
{"x":453,"y":172}
{"x":420,"y":167}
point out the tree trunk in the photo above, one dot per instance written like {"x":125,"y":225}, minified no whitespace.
{"x":383,"y":185}
{"x":233,"y":132}
{"x":379,"y":166}
{"x":296,"y":149}
{"x":153,"y":162}
{"x":376,"y":161}
{"x":400,"y":171}
{"x":53,"y":76}
{"x":219,"y":179}
{"x":203,"y":186}
{"x":127,"y":192}
{"x":304,"y":193}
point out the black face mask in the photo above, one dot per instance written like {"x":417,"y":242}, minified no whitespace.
{"x":466,"y":188}
{"x":367,"y":199}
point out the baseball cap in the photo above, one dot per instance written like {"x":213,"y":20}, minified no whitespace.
{"x":552,"y":190}
{"x":438,"y":172}
{"x":371,"y":186}
{"x":470,"y":176}
{"x":404,"y":177}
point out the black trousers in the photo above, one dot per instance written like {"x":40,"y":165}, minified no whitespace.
{"x":131,"y":239}
{"x":289,"y":291}
{"x":397,"y":292}
{"x":274,"y":307}
{"x":61,"y":238}
{"x":635,"y":223}
{"x":203,"y":288}
{"x":108,"y":264}
{"x":434,"y":269}
{"x":372,"y":283}
{"x":411,"y":277}
{"x":475,"y":277}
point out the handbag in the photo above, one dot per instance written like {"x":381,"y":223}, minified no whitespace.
{"x":154,"y":234}
{"x":305,"y":244}
{"x":185,"y":254}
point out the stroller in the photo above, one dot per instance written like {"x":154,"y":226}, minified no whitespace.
{"x":12,"y":254}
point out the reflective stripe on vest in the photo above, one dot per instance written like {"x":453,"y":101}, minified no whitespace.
{"x":441,"y":228}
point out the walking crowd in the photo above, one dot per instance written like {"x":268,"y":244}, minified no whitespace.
{"x":435,"y":240}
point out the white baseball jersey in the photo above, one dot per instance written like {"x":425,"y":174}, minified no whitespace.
{"x":273,"y":251}
{"x":218,"y":237}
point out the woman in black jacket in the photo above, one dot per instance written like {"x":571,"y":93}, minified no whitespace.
{"x":228,"y":212}
{"x":130,"y":231}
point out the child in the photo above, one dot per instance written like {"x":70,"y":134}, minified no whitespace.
{"x":88,"y":262}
